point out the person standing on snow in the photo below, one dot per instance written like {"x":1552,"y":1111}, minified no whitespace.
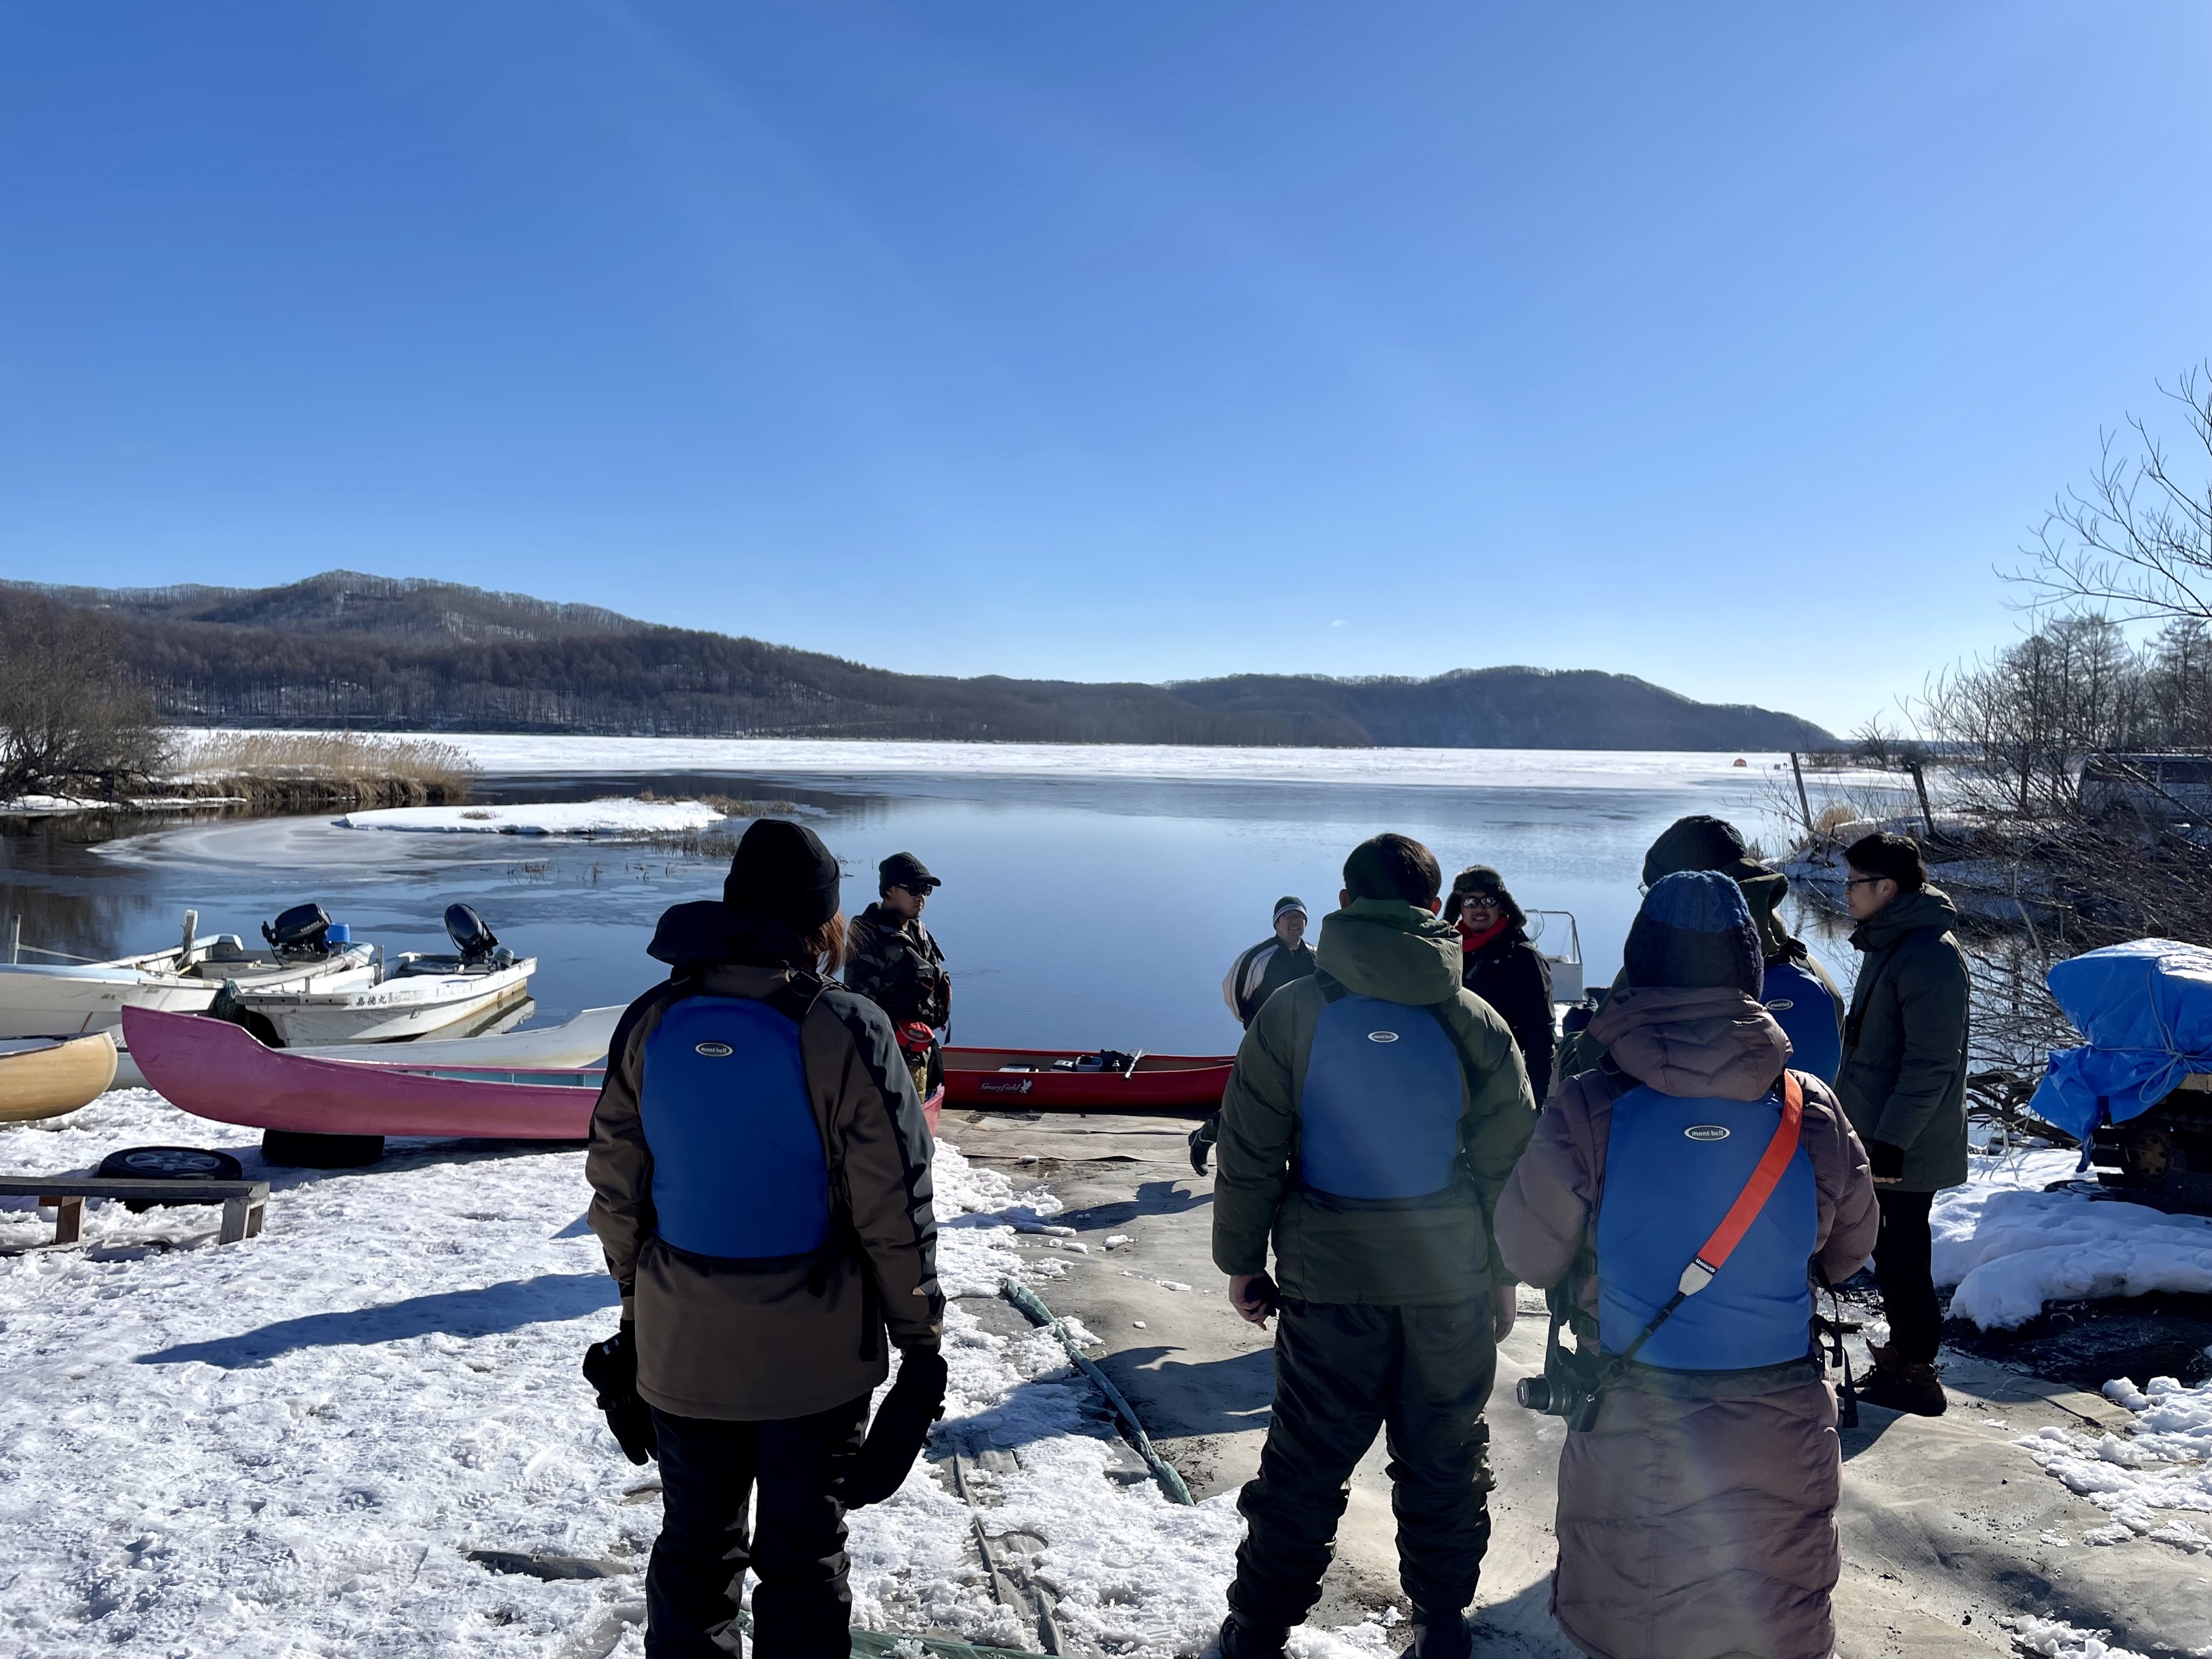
{"x":1904,"y":1083}
{"x":893,"y":962}
{"x":760,"y":1172}
{"x":1696,"y":1509}
{"x":1502,"y":968}
{"x":1796,"y":989}
{"x":1375,"y":1109}
{"x":1255,"y":976}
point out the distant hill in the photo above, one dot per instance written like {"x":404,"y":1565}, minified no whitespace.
{"x":380,"y":652}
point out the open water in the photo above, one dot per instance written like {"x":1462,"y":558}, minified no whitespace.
{"x":1091,"y":897}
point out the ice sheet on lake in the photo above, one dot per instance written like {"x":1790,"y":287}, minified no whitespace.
{"x":2010,"y":1247}
{"x":1516,"y":768}
{"x":613,"y":817}
{"x":287,"y":1447}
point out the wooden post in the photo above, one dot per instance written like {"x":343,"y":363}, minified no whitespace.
{"x":15,"y":938}
{"x":185,"y":946}
{"x":68,"y":1218}
{"x":235,"y":1212}
{"x":1920,"y":784}
{"x":1803,"y":804}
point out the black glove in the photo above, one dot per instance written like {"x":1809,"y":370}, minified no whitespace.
{"x":1201,"y":1142}
{"x":612,"y":1368}
{"x":1887,"y":1161}
{"x":900,"y":1430}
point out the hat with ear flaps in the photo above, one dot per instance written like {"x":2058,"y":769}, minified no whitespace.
{"x":1695,"y":931}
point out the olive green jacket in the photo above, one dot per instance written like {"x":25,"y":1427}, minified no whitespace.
{"x":1904,"y":1076}
{"x":1326,"y":1251}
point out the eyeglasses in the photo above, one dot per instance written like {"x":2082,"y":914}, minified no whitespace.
{"x":1865,"y":881}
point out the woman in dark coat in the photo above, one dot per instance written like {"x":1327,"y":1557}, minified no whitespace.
{"x":1502,"y":968}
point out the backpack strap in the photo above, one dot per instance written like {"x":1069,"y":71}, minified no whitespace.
{"x":1332,"y":988}
{"x":1712,"y":1255}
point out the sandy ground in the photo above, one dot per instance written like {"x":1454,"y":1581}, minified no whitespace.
{"x":1951,"y":1534}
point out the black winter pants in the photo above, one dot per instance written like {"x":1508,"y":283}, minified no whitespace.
{"x":1422,"y":1374}
{"x":1902,"y":1266}
{"x":802,"y":1609}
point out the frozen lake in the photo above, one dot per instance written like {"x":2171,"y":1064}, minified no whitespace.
{"x":1093,"y":896}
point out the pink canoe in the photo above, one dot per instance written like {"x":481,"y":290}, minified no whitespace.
{"x":214,"y":1069}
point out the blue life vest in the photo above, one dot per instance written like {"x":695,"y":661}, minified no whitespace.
{"x":1806,"y":1013}
{"x":1672,"y":1168}
{"x":1379,"y":1116}
{"x":738,"y":1164}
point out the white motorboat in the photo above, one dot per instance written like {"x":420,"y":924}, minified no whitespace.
{"x":1559,"y":941}
{"x":580,"y":1041}
{"x":64,"y":998}
{"x":412,"y":995}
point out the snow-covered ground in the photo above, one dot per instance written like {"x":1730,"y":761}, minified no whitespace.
{"x":613,"y":817}
{"x":287,"y":1447}
{"x":2010,"y":1247}
{"x":1516,"y":768}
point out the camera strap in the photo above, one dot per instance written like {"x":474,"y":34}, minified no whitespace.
{"x":1712,"y":1255}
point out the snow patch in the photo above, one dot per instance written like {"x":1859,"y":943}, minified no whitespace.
{"x":2010,"y":1247}
{"x":614,"y":817}
{"x":2163,"y":1463}
{"x":2055,"y":1639}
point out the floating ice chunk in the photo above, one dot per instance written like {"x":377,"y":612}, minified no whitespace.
{"x":614,"y":817}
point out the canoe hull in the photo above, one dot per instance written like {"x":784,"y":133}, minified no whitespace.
{"x":51,"y":1078}
{"x":977,"y":1077}
{"x":215,"y":1070}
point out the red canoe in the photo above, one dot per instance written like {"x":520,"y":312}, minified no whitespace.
{"x":214,"y":1069}
{"x":1069,"y":1080}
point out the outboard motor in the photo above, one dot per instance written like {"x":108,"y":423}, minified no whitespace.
{"x":476,"y":942}
{"x":301,"y":931}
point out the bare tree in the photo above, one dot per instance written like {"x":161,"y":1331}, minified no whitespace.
{"x":70,"y":719}
{"x":2139,"y":536}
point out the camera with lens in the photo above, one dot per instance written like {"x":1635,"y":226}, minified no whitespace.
{"x":1572,"y":1386}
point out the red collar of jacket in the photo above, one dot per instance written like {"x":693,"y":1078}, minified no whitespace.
{"x":1470,"y":943}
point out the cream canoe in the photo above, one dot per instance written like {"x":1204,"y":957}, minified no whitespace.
{"x":44,"y":1077}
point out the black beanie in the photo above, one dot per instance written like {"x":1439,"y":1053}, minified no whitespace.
{"x":782,"y":871}
{"x":1695,"y":930}
{"x":1699,"y":841}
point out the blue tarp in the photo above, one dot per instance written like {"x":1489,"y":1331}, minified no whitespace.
{"x":2146,"y":1007}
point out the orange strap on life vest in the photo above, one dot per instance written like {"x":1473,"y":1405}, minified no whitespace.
{"x":1714,"y":1253}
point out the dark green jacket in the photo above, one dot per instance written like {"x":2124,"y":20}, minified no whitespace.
{"x":1904,"y":1077}
{"x":898,"y":968}
{"x":1326,"y":1252}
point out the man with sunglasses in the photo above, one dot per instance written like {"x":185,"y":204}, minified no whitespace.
{"x":1903,"y":1087}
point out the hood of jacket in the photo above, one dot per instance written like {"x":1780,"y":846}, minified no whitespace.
{"x":1708,"y":1041}
{"x":1764,"y":890}
{"x":1388,"y":949}
{"x":1931,"y":906}
{"x":709,"y":931}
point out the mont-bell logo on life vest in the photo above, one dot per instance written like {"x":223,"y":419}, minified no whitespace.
{"x":1381,"y":1036}
{"x":1707,"y":1132}
{"x":714,"y":1050}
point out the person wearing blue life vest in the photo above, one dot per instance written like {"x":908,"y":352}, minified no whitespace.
{"x":760,"y":1172}
{"x":1376,"y":1108}
{"x":1676,"y":1201}
{"x":1797,"y":990}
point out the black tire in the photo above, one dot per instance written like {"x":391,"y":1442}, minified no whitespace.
{"x":295,"y":1149}
{"x":167,"y":1164}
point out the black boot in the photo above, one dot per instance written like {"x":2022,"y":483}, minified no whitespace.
{"x":1897,"y":1386}
{"x":1241,"y":1638}
{"x":1441,"y":1636}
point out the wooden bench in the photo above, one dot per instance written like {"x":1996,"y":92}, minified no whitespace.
{"x":242,"y":1201}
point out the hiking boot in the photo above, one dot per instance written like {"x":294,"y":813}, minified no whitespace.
{"x":1241,"y":1638}
{"x":1897,"y":1386}
{"x":1441,"y":1636}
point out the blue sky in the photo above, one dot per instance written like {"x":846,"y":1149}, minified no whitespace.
{"x":1729,"y":345}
